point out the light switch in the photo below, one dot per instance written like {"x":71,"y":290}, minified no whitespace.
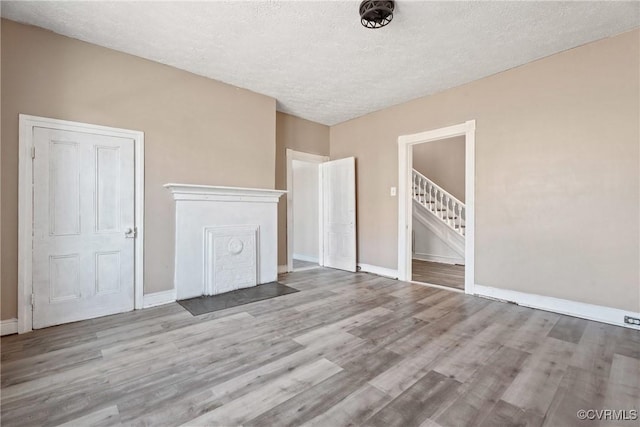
{"x":393,"y":191}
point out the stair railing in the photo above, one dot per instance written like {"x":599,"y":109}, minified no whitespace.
{"x":439,"y":202}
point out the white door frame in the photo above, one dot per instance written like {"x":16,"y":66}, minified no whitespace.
{"x":304,"y":157}
{"x":25,"y":206}
{"x":405,"y":204}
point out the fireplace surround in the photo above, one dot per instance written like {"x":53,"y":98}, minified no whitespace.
{"x":225,"y":238}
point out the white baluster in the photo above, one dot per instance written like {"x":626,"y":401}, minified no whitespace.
{"x":444,"y":207}
{"x":449,"y":211}
{"x":424,"y":192}
{"x":453,"y":213}
{"x":413,"y":186}
{"x":446,"y":211}
{"x":434,"y":205}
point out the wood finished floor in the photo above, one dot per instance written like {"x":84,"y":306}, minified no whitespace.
{"x":438,"y":273}
{"x":349,"y":349}
{"x":298,"y":264}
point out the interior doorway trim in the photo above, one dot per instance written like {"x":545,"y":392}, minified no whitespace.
{"x":405,"y":204}
{"x":27,"y":124}
{"x":304,"y":157}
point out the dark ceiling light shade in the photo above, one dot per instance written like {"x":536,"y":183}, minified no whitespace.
{"x":376,"y":13}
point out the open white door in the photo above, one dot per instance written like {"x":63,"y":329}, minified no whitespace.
{"x":338,"y":194}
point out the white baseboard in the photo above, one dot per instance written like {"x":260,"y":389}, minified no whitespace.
{"x":158,"y":298}
{"x":438,"y":258}
{"x":433,"y":285}
{"x":599,"y":313}
{"x":283,"y":269}
{"x":305,"y":258}
{"x":311,"y":267}
{"x":380,"y":271}
{"x":8,"y":327}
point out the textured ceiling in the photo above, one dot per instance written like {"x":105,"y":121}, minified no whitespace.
{"x":317,"y":60}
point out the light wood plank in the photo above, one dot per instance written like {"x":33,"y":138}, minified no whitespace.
{"x":579,"y":390}
{"x":418,"y":402}
{"x":254,"y":403}
{"x":352,"y":409}
{"x":108,"y":416}
{"x":480,"y":393}
{"x":535,"y":385}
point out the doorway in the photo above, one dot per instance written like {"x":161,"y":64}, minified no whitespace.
{"x":438,"y":221}
{"x":303,"y":208}
{"x":441,"y":216}
{"x":81,"y":210}
{"x":334,"y":189}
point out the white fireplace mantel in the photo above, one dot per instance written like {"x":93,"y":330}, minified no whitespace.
{"x":226,"y":238}
{"x":220,"y":193}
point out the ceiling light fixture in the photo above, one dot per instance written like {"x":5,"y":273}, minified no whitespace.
{"x":376,"y":13}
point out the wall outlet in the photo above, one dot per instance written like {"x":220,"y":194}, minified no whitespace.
{"x":394,"y":191}
{"x":631,"y":320}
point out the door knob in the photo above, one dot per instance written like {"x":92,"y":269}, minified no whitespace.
{"x":129,"y":232}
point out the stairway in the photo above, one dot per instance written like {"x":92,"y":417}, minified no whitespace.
{"x":439,"y":211}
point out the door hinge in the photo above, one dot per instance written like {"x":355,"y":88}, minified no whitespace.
{"x":33,"y":152}
{"x":33,"y":300}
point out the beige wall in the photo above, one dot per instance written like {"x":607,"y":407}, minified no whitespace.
{"x":443,"y":163}
{"x":306,"y":204}
{"x":557,"y":173}
{"x":196,"y":130}
{"x":299,"y":135}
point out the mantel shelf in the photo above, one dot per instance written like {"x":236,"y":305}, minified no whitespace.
{"x":222,"y":193}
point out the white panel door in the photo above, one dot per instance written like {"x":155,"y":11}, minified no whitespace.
{"x":83,"y":229}
{"x":339,"y":213}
